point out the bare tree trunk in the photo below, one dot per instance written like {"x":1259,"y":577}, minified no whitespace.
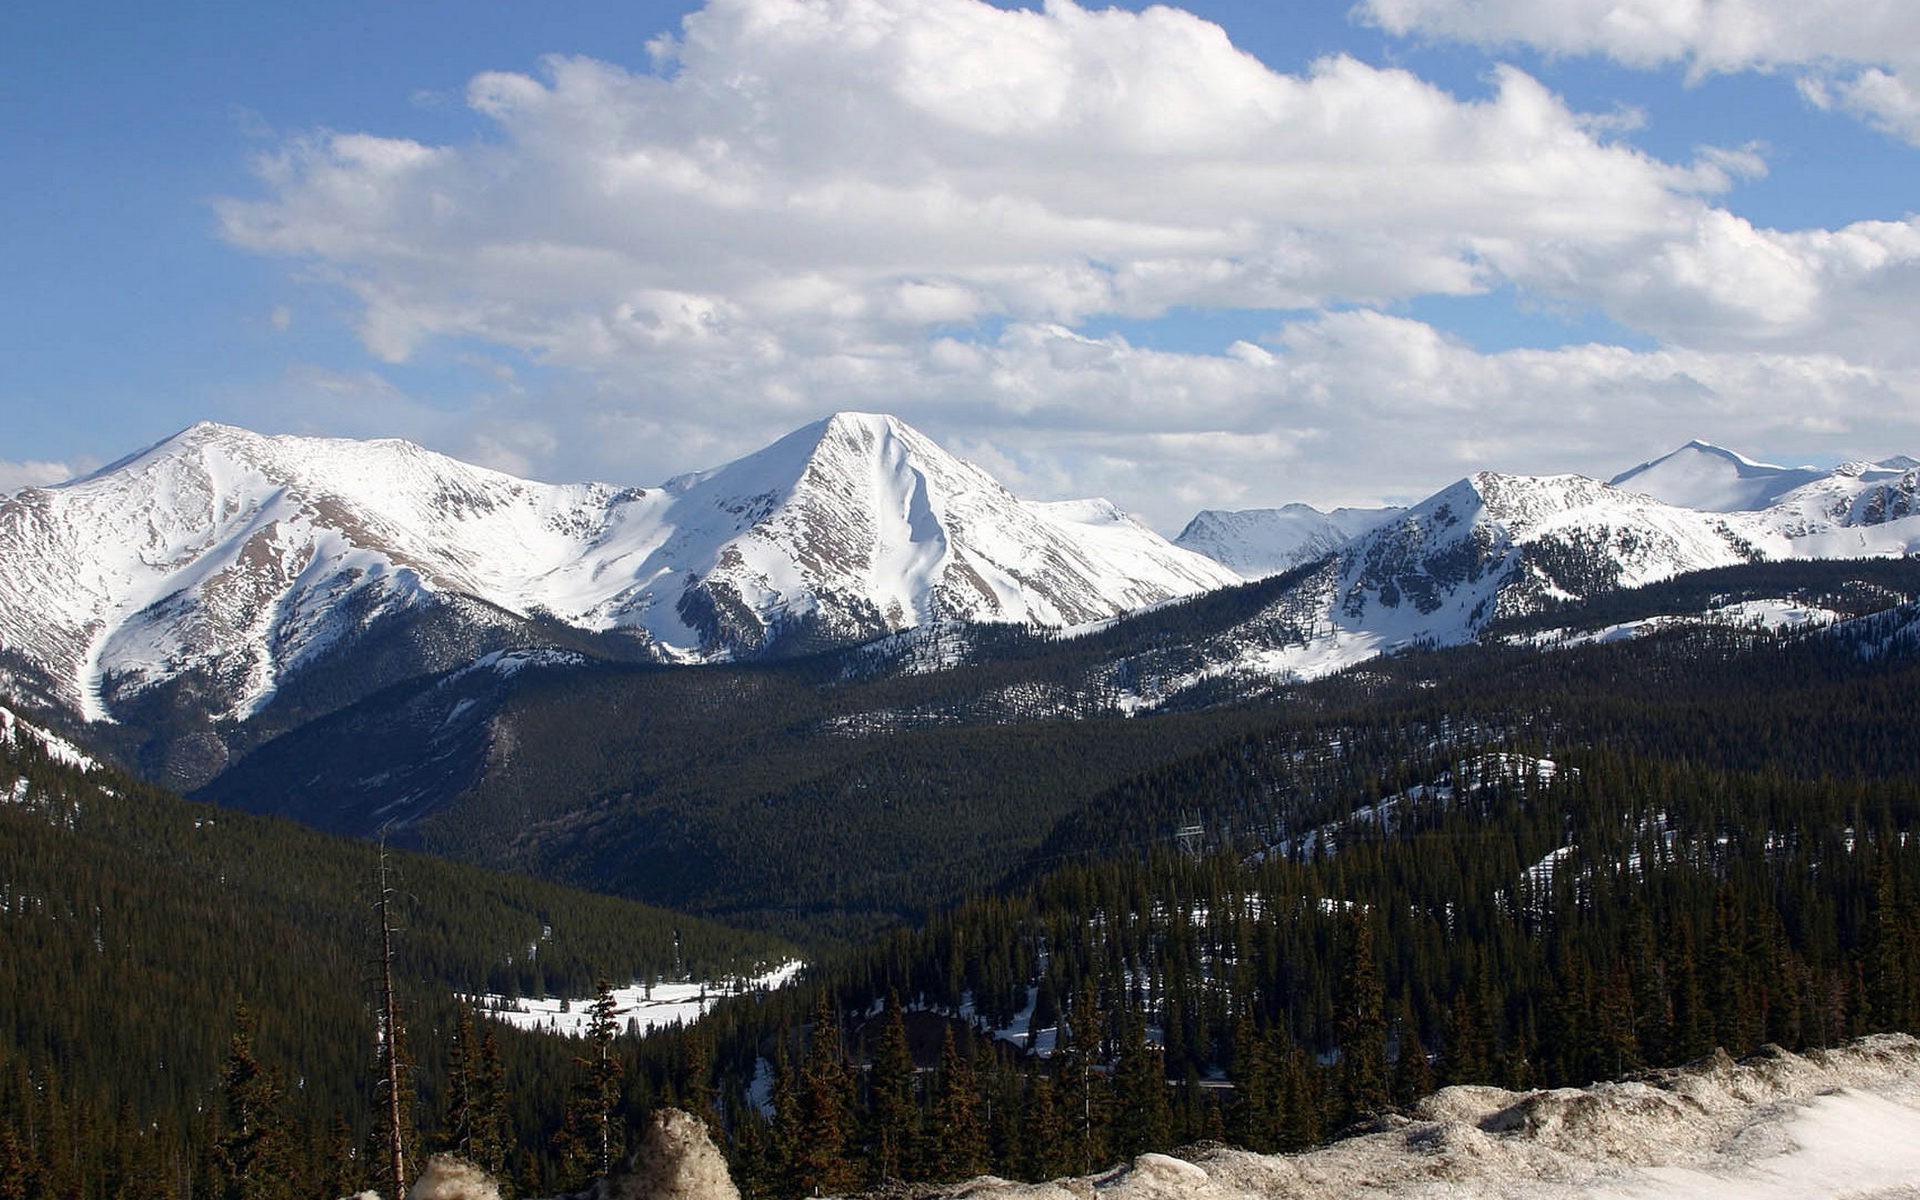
{"x":390,"y":1040}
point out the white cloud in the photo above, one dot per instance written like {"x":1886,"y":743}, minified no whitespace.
{"x":17,"y":475}
{"x":1358,"y":407}
{"x":1889,"y":101}
{"x":917,"y":205}
{"x":1858,"y":55}
{"x":834,"y":173}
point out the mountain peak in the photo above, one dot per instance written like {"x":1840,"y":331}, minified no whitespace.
{"x":1701,"y":475}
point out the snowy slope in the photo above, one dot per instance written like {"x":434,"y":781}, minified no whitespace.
{"x":1709,"y":477}
{"x":1490,"y":545}
{"x":1855,"y":510}
{"x":1778,"y":1126}
{"x":1495,"y":545}
{"x":55,"y":747}
{"x":238,"y":560}
{"x":1258,"y":542}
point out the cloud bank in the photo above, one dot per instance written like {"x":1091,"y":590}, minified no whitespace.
{"x":1862,"y":56}
{"x":924,"y":206}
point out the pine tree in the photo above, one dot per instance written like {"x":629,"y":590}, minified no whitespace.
{"x":1043,"y":1154}
{"x":896,"y":1113}
{"x":1082,"y":1096}
{"x":1412,"y":1072}
{"x":1363,"y":1028}
{"x":251,"y":1153}
{"x":824,"y":1111}
{"x":1467,"y":1054}
{"x":1143,"y":1119}
{"x":492,"y":1131}
{"x":394,"y":1070}
{"x":1252,"y":1122}
{"x":343,"y":1170}
{"x":16,"y":1174}
{"x":595,"y":1136}
{"x":462,"y":1088}
{"x":960,"y":1150}
{"x":697,"y":1093}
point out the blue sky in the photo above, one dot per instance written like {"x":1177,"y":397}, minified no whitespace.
{"x":1226,"y":255}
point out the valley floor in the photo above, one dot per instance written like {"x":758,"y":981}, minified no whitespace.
{"x":1841,"y":1123}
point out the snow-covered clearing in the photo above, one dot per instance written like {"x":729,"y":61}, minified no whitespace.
{"x":1772,"y":616}
{"x":1842,"y":1123}
{"x":58,"y":748}
{"x":640,"y":1008}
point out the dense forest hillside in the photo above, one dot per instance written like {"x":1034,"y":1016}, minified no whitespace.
{"x":1606,"y":836}
{"x":134,"y":925}
{"x":1510,"y":924}
{"x":829,"y":797}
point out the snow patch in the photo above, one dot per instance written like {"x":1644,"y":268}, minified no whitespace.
{"x":59,"y":749}
{"x":1825,"y":1126}
{"x":640,"y":1008}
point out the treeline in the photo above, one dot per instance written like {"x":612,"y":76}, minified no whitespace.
{"x":1517,"y":933}
{"x":823,"y":801}
{"x":133,"y":925}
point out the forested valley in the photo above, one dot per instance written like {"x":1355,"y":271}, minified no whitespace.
{"x":1283,"y":918}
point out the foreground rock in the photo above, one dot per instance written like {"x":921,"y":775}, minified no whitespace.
{"x":1841,"y":1123}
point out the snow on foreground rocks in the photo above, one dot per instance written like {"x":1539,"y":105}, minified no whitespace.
{"x":676,"y":1161}
{"x":1842,"y":1123}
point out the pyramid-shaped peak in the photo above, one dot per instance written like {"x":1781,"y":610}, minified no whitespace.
{"x":872,"y":424}
{"x":1704,"y":476}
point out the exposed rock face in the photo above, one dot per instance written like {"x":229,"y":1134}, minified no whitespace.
{"x":1826,"y":1124}
{"x":449,"y":1177}
{"x":676,"y":1161}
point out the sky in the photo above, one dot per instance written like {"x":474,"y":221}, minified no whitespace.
{"x":1229,"y":255}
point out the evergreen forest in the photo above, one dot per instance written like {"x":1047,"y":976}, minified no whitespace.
{"x":1262,"y":921}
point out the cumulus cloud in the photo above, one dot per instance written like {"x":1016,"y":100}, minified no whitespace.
{"x":1354,"y":407}
{"x":799,"y":175}
{"x":17,"y":475}
{"x":918,"y":206}
{"x":1859,"y":55}
{"x":1359,"y":407}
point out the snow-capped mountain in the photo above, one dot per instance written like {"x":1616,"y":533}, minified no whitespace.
{"x":1490,"y":545}
{"x":1714,"y":479}
{"x":1856,"y":509}
{"x":1258,"y":542}
{"x":1495,"y":545}
{"x":238,"y":561}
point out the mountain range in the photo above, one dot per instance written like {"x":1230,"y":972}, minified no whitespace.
{"x":204,"y":595}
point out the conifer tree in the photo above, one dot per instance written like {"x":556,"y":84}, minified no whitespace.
{"x":1301,"y":1122}
{"x":1412,"y":1072}
{"x":959,"y":1151}
{"x":697,"y":1091}
{"x":1044,"y":1147}
{"x":462,"y":1088}
{"x":251,"y":1153}
{"x":824,"y":1111}
{"x":1467,"y":1054}
{"x":1252,"y":1123}
{"x":1363,"y":1027}
{"x":492,"y":1131}
{"x":896,"y":1113}
{"x":16,"y":1174}
{"x":394,"y":1070}
{"x":1082,"y":1097}
{"x":596,"y":1136}
{"x":343,"y":1170}
{"x":1143,"y":1118}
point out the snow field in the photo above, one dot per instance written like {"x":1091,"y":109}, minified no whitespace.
{"x":1825,"y":1126}
{"x":639,"y":1007}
